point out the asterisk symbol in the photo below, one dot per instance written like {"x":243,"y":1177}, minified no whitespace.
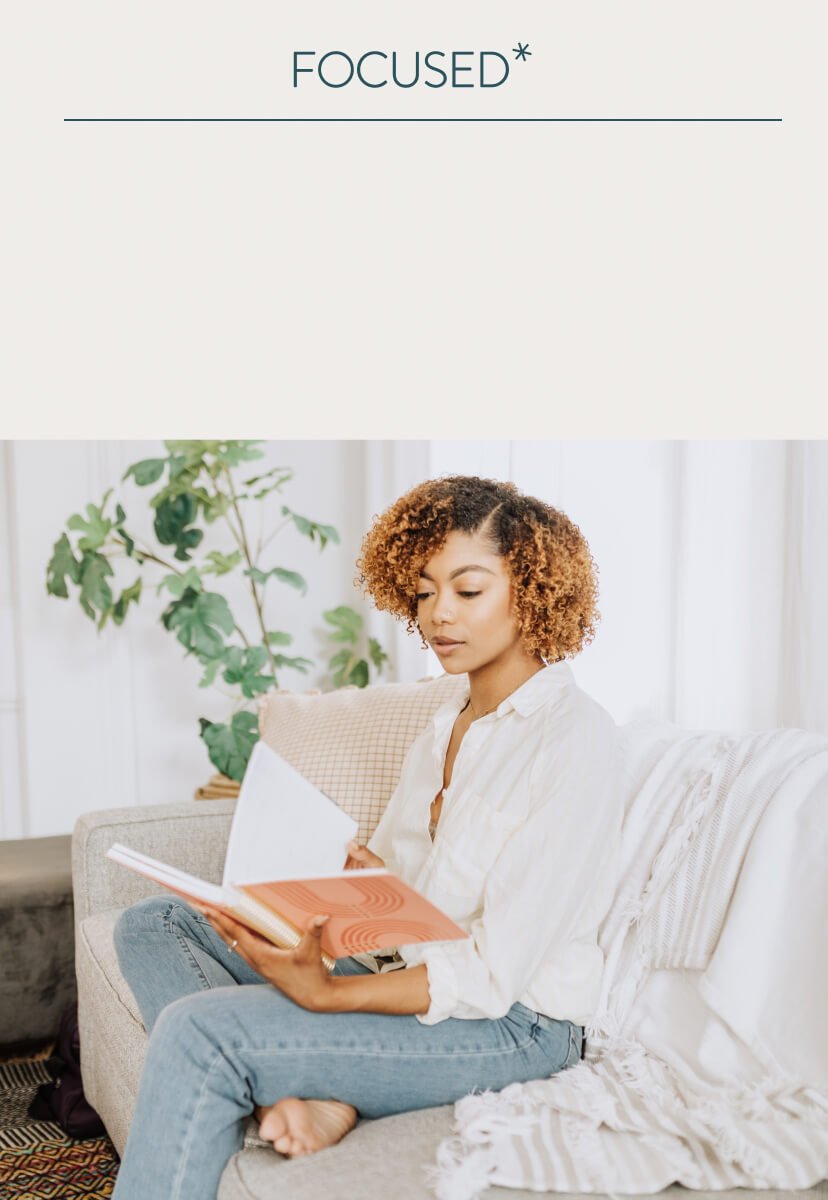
{"x":521,"y":50}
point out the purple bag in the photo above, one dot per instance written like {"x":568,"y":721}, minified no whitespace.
{"x":63,"y":1100}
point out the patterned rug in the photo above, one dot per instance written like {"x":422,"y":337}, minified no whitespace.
{"x":38,"y":1161}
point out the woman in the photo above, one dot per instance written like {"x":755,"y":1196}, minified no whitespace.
{"x":505,"y":815}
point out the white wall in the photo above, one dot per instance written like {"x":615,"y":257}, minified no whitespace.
{"x":713,"y":570}
{"x":91,"y":720}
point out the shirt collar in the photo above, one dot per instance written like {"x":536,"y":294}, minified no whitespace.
{"x":545,"y":685}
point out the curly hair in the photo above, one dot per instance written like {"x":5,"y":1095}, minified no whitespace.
{"x":554,"y":575}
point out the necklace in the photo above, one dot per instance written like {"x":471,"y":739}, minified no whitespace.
{"x":477,"y":715}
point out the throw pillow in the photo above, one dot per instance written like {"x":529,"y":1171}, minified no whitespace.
{"x":351,"y":742}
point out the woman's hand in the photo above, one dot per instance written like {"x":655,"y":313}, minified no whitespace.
{"x":299,"y":972}
{"x":360,"y":857}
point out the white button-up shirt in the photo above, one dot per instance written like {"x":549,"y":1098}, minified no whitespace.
{"x":525,"y":854}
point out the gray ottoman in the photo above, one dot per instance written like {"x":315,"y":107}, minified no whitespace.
{"x":37,"y":938}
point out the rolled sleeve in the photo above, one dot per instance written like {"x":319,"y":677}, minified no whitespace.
{"x":442,"y":987}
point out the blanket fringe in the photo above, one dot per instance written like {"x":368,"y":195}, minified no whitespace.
{"x":733,"y":1147}
{"x":482,"y":1114}
{"x":459,"y":1173}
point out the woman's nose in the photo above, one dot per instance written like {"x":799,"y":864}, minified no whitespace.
{"x":444,"y":610}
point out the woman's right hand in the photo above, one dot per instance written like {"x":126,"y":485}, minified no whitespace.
{"x":360,"y":857}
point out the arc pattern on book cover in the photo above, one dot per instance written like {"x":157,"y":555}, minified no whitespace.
{"x":364,"y":936}
{"x":373,"y":897}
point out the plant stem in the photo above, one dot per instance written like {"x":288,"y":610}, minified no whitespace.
{"x":273,"y":533}
{"x":245,"y":549}
{"x":237,"y":537}
{"x":150,"y":557}
{"x":139,"y":552}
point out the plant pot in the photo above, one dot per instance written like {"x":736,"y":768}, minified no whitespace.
{"x":218,"y":787}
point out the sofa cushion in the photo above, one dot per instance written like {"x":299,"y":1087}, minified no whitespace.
{"x":351,"y":742}
{"x":378,"y":1158}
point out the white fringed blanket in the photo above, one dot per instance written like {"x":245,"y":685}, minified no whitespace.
{"x":707,"y":1060}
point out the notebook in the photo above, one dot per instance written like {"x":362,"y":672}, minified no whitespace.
{"x":285,"y":864}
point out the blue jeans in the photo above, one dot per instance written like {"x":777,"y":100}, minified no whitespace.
{"x":216,"y":1050}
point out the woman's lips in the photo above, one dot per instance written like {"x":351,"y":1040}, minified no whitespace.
{"x":446,"y":647}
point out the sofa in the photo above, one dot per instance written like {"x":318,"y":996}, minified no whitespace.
{"x":351,"y":744}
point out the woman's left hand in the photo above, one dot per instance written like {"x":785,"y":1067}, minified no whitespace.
{"x":299,"y":972}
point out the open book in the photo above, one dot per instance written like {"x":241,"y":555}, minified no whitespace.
{"x":284,"y":865}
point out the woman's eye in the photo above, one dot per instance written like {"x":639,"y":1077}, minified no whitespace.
{"x":425,"y":595}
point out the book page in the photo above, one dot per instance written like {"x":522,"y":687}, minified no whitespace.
{"x":284,"y":825}
{"x":170,"y":877}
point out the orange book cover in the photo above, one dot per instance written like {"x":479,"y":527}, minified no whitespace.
{"x":368,"y":910}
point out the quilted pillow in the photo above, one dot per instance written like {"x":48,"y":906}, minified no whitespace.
{"x":351,"y":742}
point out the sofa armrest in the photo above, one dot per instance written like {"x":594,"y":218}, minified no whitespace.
{"x":191,"y":836}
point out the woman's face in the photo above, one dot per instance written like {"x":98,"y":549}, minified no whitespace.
{"x":464,"y":597}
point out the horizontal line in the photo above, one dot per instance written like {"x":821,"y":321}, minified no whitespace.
{"x":427,"y":120}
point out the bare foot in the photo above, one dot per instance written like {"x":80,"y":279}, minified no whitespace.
{"x":297,"y":1127}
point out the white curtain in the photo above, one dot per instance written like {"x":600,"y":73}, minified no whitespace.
{"x":390,"y":469}
{"x":713,"y":567}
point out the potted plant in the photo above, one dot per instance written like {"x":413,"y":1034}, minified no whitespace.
{"x":199,"y":485}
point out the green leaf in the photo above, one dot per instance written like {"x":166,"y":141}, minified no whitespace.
{"x":188,"y":449}
{"x":177,"y":585}
{"x":211,"y":668}
{"x":243,"y":667}
{"x":376,"y":653}
{"x":274,"y":638}
{"x":346,"y":621}
{"x":221,"y":564}
{"x":120,"y":517}
{"x":341,"y":665}
{"x":291,"y":577}
{"x":95,"y":592}
{"x":214,"y":506}
{"x":359,"y":673}
{"x":285,"y":473}
{"x":62,"y":565}
{"x":171,"y":520}
{"x":230,"y":746}
{"x":178,"y":463}
{"x":312,"y":529}
{"x":198,"y":620}
{"x":231,"y":454}
{"x":271,"y":481}
{"x":128,"y":595}
{"x":147,"y":471}
{"x":296,"y":664}
{"x":95,"y":528}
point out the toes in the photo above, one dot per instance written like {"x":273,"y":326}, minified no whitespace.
{"x":272,"y":1124}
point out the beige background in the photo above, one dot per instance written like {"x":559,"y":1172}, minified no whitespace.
{"x":420,"y":279}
